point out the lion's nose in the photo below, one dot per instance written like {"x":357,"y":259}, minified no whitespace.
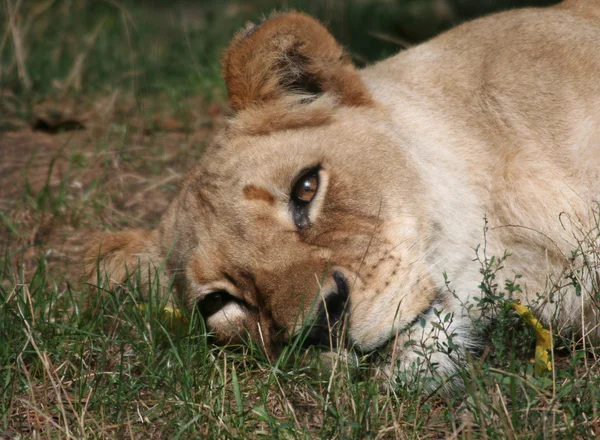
{"x":336,"y":302}
{"x":325,"y":331}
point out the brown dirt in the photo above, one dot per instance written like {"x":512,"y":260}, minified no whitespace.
{"x":110,"y":175}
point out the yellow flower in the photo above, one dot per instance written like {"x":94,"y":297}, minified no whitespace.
{"x":543,"y":339}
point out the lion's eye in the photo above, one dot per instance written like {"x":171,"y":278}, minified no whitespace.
{"x":303,"y":192}
{"x":306,"y":187}
{"x":213,"y":302}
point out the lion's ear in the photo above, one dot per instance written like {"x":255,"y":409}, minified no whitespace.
{"x":117,"y":256}
{"x":289,"y":54}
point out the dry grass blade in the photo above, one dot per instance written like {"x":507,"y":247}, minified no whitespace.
{"x":17,"y":38}
{"x":55,"y":380}
{"x":391,"y":39}
{"x":74,"y":78}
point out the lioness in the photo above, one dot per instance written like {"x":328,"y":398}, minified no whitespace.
{"x":336,"y":195}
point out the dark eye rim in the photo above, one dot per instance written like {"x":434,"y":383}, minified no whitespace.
{"x":298,"y":206}
{"x":213,"y":302}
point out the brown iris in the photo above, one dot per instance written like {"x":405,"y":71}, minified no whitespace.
{"x":306,"y":187}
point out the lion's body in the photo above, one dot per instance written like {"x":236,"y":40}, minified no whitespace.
{"x":503,"y":117}
{"x":498,"y":118}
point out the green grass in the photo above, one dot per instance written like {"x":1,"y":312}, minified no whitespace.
{"x":123,"y":371}
{"x":150,"y":49}
{"x":149,"y":94}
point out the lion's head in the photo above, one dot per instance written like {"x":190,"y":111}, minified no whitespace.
{"x":305,"y":208}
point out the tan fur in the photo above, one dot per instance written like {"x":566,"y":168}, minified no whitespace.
{"x":285,"y":113}
{"x":120,"y":255}
{"x":497,"y":118}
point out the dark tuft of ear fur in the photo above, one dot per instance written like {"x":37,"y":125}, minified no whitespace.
{"x":119,"y":255}
{"x":289,"y":54}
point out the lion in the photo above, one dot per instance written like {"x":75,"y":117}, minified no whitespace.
{"x":338,"y":198}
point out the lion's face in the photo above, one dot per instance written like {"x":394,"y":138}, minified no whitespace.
{"x":304,"y":211}
{"x":293,"y":225}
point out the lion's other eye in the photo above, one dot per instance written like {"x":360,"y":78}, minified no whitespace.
{"x":303,"y":192}
{"x":306,"y":188}
{"x":213,"y":302}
